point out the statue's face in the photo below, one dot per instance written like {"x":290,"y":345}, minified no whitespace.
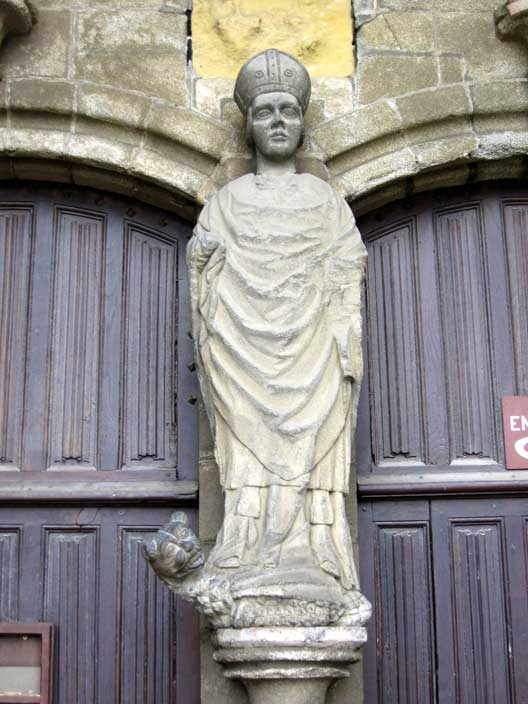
{"x":276,"y":125}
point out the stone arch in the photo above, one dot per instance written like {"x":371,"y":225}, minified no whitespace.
{"x":439,"y":137}
{"x":113,"y":140}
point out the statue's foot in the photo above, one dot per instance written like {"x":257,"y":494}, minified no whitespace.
{"x":269,"y":557}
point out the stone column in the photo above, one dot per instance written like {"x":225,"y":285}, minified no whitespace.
{"x":288,"y":665}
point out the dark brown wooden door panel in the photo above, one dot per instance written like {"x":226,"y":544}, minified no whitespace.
{"x":98,"y":437}
{"x":397,"y":577}
{"x":121,"y":638}
{"x":446,"y":330}
{"x":446,"y":336}
{"x":448,"y":580}
{"x":481,"y":599}
{"x":95,"y":355}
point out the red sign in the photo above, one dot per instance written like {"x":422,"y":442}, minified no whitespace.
{"x":515,"y":420}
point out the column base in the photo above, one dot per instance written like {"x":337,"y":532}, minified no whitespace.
{"x":288,"y":665}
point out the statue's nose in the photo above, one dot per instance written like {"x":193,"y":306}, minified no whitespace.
{"x":277,"y":116}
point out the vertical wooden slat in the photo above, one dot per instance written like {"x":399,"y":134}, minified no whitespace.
{"x":74,"y":365}
{"x":146,"y":627}
{"x":393,"y":338}
{"x":111,"y":348}
{"x":516,"y":234}
{"x":16,"y":233}
{"x":149,"y":424}
{"x":36,"y":404}
{"x":463,"y":282}
{"x":9,"y":573}
{"x":71,"y":602}
{"x":480,"y":613}
{"x":396,"y":577}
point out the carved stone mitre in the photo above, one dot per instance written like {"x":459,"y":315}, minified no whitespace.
{"x":271,"y":71}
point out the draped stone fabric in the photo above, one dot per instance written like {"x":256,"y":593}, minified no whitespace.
{"x":276,"y":266}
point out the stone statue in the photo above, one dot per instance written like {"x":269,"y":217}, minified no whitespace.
{"x":276,"y":266}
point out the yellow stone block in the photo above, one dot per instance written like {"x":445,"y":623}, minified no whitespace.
{"x":226,"y":33}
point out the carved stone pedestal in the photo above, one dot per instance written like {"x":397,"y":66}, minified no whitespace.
{"x":288,"y":665}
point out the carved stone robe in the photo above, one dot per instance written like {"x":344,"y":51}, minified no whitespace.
{"x":276,"y":265}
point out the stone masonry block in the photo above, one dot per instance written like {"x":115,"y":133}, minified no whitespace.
{"x":499,"y":124}
{"x":177,"y":5}
{"x":135,"y":50}
{"x":106,"y":130}
{"x":451,"y":69}
{"x":189,"y":128}
{"x":41,"y":95}
{"x":440,"y":5}
{"x":357,"y":128}
{"x":389,"y":76}
{"x":43,"y":52}
{"x":445,"y":151}
{"x":444,"y":129}
{"x":398,"y":31}
{"x":112,"y":105}
{"x":472,"y":35}
{"x":366,"y":153}
{"x":433,"y":105}
{"x":500,"y":96}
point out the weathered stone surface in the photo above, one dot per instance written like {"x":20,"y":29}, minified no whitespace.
{"x":497,"y":124}
{"x":134,"y":50}
{"x":44,"y":52}
{"x":441,"y":178}
{"x":443,"y":129}
{"x":335,"y":94}
{"x":357,"y":128}
{"x":438,"y":104}
{"x":226,"y":33}
{"x":365,"y":153}
{"x":41,"y":170}
{"x":500,"y":96}
{"x":451,"y":69}
{"x":170,"y":172}
{"x":211,"y":93}
{"x":41,"y":95}
{"x":155,"y":5}
{"x":374,"y":174}
{"x":112,"y":105}
{"x":33,"y":120}
{"x":444,"y":151}
{"x":442,"y":5}
{"x":398,"y":31}
{"x":188,"y":127}
{"x":472,"y":35}
{"x":107,"y":130}
{"x":388,"y":76}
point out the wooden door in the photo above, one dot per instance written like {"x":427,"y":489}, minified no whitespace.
{"x":442,"y":522}
{"x":98,"y":437}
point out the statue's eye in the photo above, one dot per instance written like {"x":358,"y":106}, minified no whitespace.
{"x":289,"y":112}
{"x":263,"y":114}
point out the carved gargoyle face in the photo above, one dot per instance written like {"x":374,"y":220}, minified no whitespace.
{"x":275,"y":125}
